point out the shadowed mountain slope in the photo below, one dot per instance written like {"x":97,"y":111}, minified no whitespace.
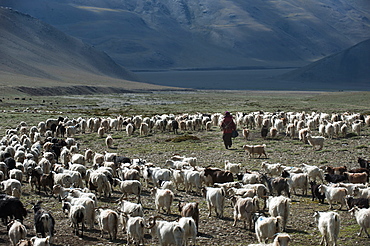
{"x":165,"y":34}
{"x":35,"y":54}
{"x":350,"y":67}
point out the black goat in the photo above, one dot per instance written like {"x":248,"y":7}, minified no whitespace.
{"x":335,"y":178}
{"x":363,"y":163}
{"x":278,"y":184}
{"x":11,"y":208}
{"x":43,"y":220}
{"x":315,"y":192}
{"x":359,"y":202}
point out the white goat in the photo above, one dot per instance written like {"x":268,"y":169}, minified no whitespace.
{"x":333,"y":194}
{"x":315,"y":141}
{"x":190,"y":229}
{"x":363,"y":218}
{"x":279,"y":206}
{"x":130,"y":187}
{"x":215,"y":198}
{"x":108,"y":221}
{"x":163,"y":199}
{"x":17,"y":231}
{"x":328,"y":224}
{"x":244,"y":208}
{"x":267,"y":227}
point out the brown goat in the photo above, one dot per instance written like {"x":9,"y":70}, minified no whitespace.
{"x":356,"y":178}
{"x":190,"y":210}
{"x":336,"y":170}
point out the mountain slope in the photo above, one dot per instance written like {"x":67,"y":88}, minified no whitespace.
{"x":35,"y":54}
{"x":351,"y":66}
{"x":208,"y":33}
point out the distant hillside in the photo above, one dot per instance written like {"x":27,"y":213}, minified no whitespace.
{"x":35,"y":54}
{"x":165,"y":34}
{"x":350,"y":67}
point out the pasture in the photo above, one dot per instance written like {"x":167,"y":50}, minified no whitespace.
{"x":207,"y":147}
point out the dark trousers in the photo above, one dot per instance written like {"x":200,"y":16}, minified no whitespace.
{"x":227,"y":139}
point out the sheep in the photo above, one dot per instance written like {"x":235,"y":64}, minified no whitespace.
{"x":43,"y":221}
{"x":16,"y":231}
{"x":315,"y":141}
{"x":359,"y":202}
{"x":163,"y":199}
{"x":76,"y":215}
{"x":244,"y":208}
{"x":108,"y":221}
{"x":279,"y":206}
{"x":109,"y":142}
{"x":130,"y":187}
{"x":168,"y":233}
{"x":40,"y":241}
{"x":328,"y":224}
{"x":255,"y":149}
{"x":313,"y":172}
{"x":363,"y":219}
{"x":334,"y":194}
{"x":232,"y":167}
{"x":190,"y":229}
{"x":215,"y":197}
{"x":267,"y":227}
{"x":190,"y":209}
{"x":272,"y":169}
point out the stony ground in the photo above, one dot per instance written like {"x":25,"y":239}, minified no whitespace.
{"x":158,"y":147}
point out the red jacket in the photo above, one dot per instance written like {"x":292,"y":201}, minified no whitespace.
{"x":228,"y":124}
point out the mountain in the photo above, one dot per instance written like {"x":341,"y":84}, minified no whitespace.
{"x":348,"y":68}
{"x":36,"y":54}
{"x":167,"y":34}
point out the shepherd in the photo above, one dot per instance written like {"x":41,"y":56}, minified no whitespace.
{"x":228,"y":126}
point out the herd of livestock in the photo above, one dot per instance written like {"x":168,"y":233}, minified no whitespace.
{"x":48,"y":159}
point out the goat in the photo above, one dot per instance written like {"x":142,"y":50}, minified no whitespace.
{"x":76,"y":214}
{"x":334,"y":194}
{"x":315,"y":192}
{"x":215,"y":197}
{"x":328,"y":224}
{"x":244,"y":208}
{"x":267,"y":227}
{"x":363,"y":219}
{"x":190,"y":210}
{"x":43,"y":221}
{"x":108,"y":221}
{"x":359,"y":202}
{"x":255,"y":149}
{"x":278,"y":184}
{"x":16,"y":231}
{"x":168,"y":233}
{"x":218,"y":176}
{"x":163,"y":199}
{"x":279,"y":206}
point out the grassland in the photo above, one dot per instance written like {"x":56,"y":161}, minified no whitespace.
{"x":207,"y":147}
